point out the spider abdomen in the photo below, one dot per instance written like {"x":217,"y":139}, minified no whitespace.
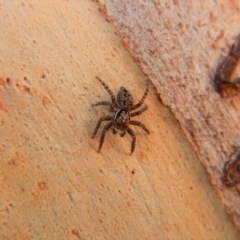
{"x":124,"y":98}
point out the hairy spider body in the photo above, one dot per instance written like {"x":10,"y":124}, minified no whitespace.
{"x":123,"y":108}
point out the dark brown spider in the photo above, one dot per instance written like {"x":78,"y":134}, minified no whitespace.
{"x":122,"y":108}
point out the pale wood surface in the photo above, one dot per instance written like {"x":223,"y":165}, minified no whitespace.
{"x":54,"y":184}
{"x":179,"y":45}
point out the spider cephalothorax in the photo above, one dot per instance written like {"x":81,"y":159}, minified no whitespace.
{"x":122,"y":108}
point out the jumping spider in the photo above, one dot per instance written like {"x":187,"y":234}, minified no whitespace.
{"x":122,"y":109}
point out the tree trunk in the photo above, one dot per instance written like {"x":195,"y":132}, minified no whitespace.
{"x":54,"y":183}
{"x":190,"y":52}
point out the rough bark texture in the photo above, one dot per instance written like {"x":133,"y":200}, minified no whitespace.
{"x":54,"y":184}
{"x":179,"y":45}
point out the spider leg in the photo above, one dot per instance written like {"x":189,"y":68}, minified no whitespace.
{"x":108,"y":90}
{"x":141,"y":101}
{"x":132,"y":134}
{"x":105,"y":118}
{"x":139,"y":124}
{"x":102,"y":103}
{"x":139,"y":111}
{"x":114,"y":131}
{"x":105,"y":129}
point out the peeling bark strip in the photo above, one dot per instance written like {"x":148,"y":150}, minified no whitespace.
{"x":231,"y":171}
{"x":223,"y":82}
{"x":176,"y":45}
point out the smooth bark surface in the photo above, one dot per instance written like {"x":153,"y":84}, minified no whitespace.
{"x":54,"y":183}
